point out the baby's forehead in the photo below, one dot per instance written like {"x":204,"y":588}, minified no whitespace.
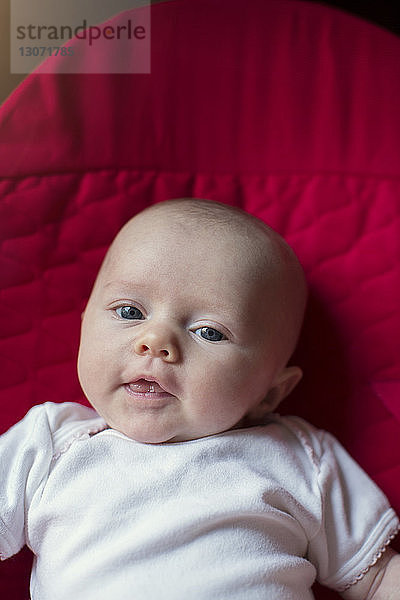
{"x":184,"y":223}
{"x":204,"y":233}
{"x":217,"y":249}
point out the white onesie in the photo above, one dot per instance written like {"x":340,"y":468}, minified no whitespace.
{"x":248,"y":514}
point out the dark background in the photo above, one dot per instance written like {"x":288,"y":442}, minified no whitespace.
{"x":385,"y":14}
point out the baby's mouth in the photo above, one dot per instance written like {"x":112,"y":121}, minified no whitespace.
{"x":142,"y":386}
{"x":148,"y":391}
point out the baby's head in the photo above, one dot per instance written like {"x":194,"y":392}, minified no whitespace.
{"x":192,"y":319}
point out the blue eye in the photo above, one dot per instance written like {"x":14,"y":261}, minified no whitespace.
{"x":210,"y":334}
{"x":129,"y":312}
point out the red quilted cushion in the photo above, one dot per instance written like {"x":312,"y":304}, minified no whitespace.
{"x":286,"y":108}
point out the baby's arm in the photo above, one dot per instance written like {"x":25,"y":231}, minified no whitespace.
{"x":382,"y":582}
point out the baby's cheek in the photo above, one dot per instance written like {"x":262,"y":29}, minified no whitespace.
{"x":92,"y":360}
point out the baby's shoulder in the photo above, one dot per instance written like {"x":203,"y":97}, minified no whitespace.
{"x":63,"y":413}
{"x":63,"y":423}
{"x":305,"y":444}
{"x":69,"y":421}
{"x":298,"y":441}
{"x":301,"y":433}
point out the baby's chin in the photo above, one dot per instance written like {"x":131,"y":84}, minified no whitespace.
{"x":146,"y":430}
{"x":148,"y":435}
{"x":155,"y":437}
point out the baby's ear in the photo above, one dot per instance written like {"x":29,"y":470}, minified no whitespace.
{"x":284,"y":383}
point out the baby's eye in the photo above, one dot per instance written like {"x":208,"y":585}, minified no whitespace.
{"x":129,"y":312}
{"x":210,"y":334}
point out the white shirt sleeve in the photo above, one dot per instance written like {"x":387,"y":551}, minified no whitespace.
{"x":357,"y":521}
{"x":26,"y":454}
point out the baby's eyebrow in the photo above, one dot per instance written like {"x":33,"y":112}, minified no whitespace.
{"x":116,"y":284}
{"x":119,"y":285}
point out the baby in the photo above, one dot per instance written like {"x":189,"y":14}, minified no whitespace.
{"x":184,"y":483}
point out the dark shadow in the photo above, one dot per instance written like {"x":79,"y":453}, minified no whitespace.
{"x":16,"y":572}
{"x":324,"y":393}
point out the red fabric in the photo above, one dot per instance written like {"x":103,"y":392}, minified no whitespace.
{"x":287,"y":109}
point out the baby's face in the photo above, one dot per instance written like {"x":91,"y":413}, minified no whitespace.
{"x":178,"y":337}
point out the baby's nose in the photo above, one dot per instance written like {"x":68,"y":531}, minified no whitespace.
{"x":157,"y":343}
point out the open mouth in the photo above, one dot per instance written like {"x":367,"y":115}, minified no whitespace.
{"x":144,"y":389}
{"x":142,"y":386}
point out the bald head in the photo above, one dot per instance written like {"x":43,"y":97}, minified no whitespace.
{"x":218,"y":232}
